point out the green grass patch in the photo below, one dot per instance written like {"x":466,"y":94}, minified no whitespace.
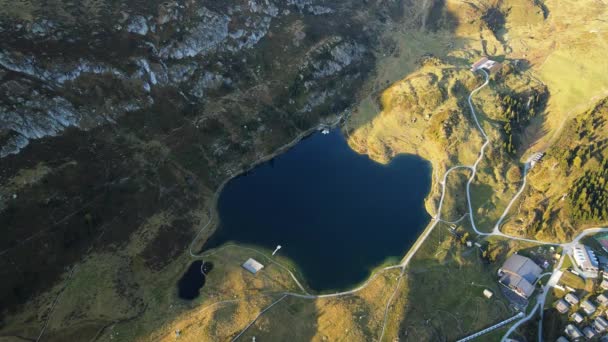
{"x":570,"y":279}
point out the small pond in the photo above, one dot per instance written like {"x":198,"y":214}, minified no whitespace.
{"x":193,"y":280}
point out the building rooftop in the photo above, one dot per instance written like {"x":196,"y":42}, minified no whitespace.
{"x":600,"y":324}
{"x":519,"y":273}
{"x":479,"y":63}
{"x":577,"y":317}
{"x":571,"y":298}
{"x":487,"y":64}
{"x":573,"y":331}
{"x":585,"y":259}
{"x":524,"y":267}
{"x":562,"y":306}
{"x":589,"y":332}
{"x":603,"y":240}
{"x":252,"y":265}
{"x":588,"y":307}
{"x":517,"y":283}
{"x":602,"y":299}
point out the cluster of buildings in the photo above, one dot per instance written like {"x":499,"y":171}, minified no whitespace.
{"x":588,"y":314}
{"x":588,"y":332}
{"x":588,"y":318}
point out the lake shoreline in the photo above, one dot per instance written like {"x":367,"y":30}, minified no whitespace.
{"x":336,"y":213}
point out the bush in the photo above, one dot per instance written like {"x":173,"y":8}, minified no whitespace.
{"x":514,"y":174}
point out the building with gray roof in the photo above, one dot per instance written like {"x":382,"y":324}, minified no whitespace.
{"x":588,"y":307}
{"x":602,"y":299}
{"x":577,"y":317}
{"x":600,"y":324}
{"x":589,"y":332}
{"x":562,"y":306}
{"x":252,"y":265}
{"x":571,"y":298}
{"x":573,"y":332}
{"x":519,"y":274}
{"x":586,"y":260}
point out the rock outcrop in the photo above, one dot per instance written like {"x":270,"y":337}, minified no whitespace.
{"x":182,"y":47}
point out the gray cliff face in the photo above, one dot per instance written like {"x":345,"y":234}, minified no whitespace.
{"x":173,"y":47}
{"x":342,"y":54}
{"x":208,"y":80}
{"x":204,"y":37}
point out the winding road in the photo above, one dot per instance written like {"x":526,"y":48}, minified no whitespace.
{"x":542,"y":296}
{"x":408,"y":257}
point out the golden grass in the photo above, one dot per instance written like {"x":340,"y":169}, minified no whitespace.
{"x":232,"y":298}
{"x":413,"y":111}
{"x":566,"y":53}
{"x":455,"y":202}
{"x":572,"y":280}
{"x":437,"y":299}
{"x":442,"y":298}
{"x":357,"y":317}
{"x":229,"y":300}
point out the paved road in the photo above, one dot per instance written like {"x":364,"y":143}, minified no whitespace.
{"x":496,"y":231}
{"x":567,"y":248}
{"x":408,"y":257}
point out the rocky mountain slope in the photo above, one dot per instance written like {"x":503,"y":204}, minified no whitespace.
{"x":58,"y":76}
{"x":530,"y":108}
{"x":118,"y":120}
{"x":569,"y":188}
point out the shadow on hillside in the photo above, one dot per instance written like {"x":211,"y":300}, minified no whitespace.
{"x":445,"y":300}
{"x":437,"y":21}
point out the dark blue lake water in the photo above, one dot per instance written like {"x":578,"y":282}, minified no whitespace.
{"x":336,"y":213}
{"x":193,"y":280}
